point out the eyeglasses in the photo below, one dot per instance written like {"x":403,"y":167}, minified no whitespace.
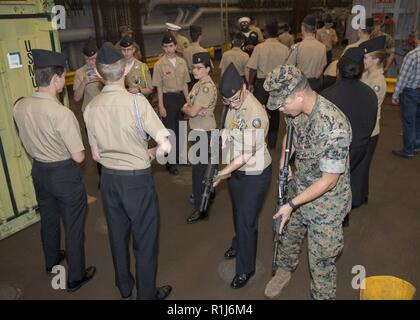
{"x":234,"y":100}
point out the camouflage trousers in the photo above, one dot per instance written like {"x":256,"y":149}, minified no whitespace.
{"x":324,"y":244}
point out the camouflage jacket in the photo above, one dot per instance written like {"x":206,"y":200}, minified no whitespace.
{"x":322,"y":142}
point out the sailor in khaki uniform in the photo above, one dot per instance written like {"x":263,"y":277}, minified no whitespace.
{"x":249,"y":164}
{"x":375,"y":60}
{"x":285,"y":37}
{"x":51,"y":136}
{"x":138,"y":79}
{"x":194,"y":47}
{"x":182,"y":42}
{"x":327,"y":36}
{"x":171,"y":77}
{"x":119,"y":126}
{"x":127,"y":31}
{"x":86,"y":83}
{"x":235,"y":56}
{"x":200,"y":110}
{"x":266,"y":56}
{"x":309,"y":55}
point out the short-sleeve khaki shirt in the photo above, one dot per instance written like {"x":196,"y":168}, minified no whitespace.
{"x":376,"y":80}
{"x":237,"y":57}
{"x":91,"y":90}
{"x":248,"y":128}
{"x":204,"y":94}
{"x":168,"y":77}
{"x":287,"y":39}
{"x":327,"y":37}
{"x":138,"y":76}
{"x":113,"y":128}
{"x":266,"y":56}
{"x":49,"y":131}
{"x":310,"y":56}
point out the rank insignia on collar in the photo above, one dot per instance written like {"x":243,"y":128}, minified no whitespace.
{"x":256,"y":123}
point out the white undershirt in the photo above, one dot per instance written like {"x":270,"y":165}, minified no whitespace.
{"x":173,"y":61}
{"x":130,"y":65}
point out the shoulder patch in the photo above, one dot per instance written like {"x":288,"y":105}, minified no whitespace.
{"x":256,"y":123}
{"x":377,"y":88}
{"x":206,"y":89}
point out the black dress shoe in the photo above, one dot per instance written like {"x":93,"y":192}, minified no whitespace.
{"x":129,"y":297}
{"x":76,"y":285}
{"x":240,"y":280}
{"x":196,"y":216}
{"x":61,"y":257}
{"x":230,"y":253}
{"x":163,"y":292}
{"x":172,"y":169}
{"x":401,"y":154}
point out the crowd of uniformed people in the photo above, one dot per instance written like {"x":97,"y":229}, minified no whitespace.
{"x":333,"y":106}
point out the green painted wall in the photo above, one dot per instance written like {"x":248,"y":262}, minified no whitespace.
{"x":18,"y":35}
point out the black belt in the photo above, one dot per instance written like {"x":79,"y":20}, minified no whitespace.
{"x":53,"y":164}
{"x":139,"y":172}
{"x":174,"y":93}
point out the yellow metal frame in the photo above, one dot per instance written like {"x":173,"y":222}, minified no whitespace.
{"x":390,"y":84}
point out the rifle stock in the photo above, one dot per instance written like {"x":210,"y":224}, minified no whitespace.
{"x":282,"y":194}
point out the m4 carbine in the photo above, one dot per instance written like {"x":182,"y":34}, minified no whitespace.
{"x":211,"y":170}
{"x":282,"y":194}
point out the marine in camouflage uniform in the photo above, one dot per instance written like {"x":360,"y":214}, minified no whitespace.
{"x":319,"y":193}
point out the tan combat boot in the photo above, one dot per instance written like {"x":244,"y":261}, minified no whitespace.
{"x":275,"y":286}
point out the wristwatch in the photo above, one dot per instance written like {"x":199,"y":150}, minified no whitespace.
{"x":292,"y":205}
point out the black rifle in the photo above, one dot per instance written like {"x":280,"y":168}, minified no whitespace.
{"x":282,"y":194}
{"x":211,"y":170}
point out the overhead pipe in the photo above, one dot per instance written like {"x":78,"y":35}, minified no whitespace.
{"x":70,"y":35}
{"x":180,"y":17}
{"x":186,"y":16}
{"x":155,"y":3}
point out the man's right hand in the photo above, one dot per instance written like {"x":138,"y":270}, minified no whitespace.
{"x":164,"y":147}
{"x":284,"y":214}
{"x":162,"y":111}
